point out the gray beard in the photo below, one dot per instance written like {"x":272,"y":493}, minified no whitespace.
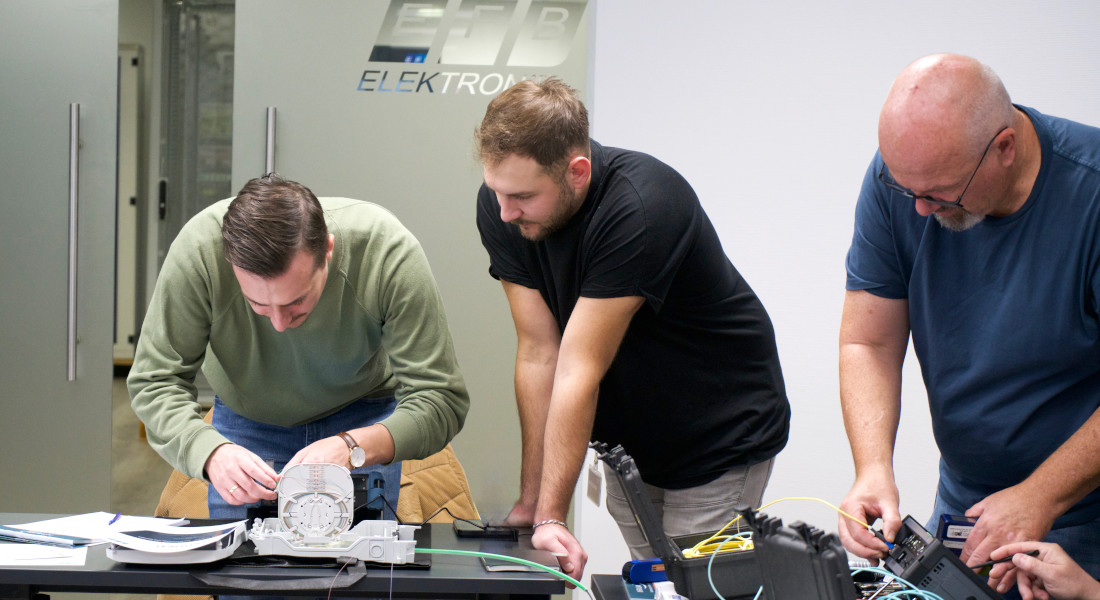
{"x":966,"y":221}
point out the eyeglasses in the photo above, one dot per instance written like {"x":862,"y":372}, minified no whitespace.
{"x":889,"y":182}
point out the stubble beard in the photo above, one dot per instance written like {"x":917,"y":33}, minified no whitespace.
{"x":563,"y":212}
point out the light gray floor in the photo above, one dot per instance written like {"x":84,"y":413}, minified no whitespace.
{"x":138,"y":473}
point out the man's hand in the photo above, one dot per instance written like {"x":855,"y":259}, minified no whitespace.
{"x":559,"y":541}
{"x":521,"y":515}
{"x":870,"y":498}
{"x":1053,"y":574}
{"x":1010,"y":515}
{"x":325,"y":450}
{"x":239,"y":476}
{"x":375,"y":440}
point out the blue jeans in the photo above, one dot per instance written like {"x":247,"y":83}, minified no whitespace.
{"x":1081,"y":542}
{"x":280,"y":444}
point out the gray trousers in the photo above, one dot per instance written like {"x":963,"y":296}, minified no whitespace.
{"x":692,"y":510}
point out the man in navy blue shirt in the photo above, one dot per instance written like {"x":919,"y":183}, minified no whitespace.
{"x":1000,"y":290}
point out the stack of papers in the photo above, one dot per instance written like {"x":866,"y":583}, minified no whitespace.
{"x":33,"y":536}
{"x":173,"y":544}
{"x":64,"y":541}
{"x":95,"y":528}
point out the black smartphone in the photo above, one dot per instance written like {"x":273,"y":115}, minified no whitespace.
{"x":479,"y":528}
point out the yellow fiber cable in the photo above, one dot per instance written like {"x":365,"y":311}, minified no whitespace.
{"x":715,"y":541}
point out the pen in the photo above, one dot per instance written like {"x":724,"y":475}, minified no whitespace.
{"x":990,"y":563}
{"x":114,"y":519}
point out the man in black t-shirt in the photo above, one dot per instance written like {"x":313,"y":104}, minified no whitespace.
{"x":633,"y":326}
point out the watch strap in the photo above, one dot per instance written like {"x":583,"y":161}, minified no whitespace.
{"x":350,"y":441}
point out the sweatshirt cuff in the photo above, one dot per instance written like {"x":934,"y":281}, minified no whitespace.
{"x":201,"y":447}
{"x":409,"y":441}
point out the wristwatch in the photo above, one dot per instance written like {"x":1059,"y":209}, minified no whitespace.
{"x":357,"y":457}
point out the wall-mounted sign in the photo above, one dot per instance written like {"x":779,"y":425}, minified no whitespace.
{"x":477,"y":47}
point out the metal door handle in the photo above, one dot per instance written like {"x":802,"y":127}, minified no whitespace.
{"x":269,"y":162}
{"x":74,"y":197}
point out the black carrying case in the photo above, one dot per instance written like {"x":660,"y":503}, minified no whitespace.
{"x":798,"y":561}
{"x":735,"y":574}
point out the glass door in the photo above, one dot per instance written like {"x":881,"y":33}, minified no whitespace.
{"x":197,"y":131}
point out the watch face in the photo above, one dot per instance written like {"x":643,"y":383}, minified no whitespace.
{"x":358,"y":457}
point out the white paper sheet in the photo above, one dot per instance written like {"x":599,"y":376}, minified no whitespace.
{"x":97,"y":526}
{"x":35,"y":555}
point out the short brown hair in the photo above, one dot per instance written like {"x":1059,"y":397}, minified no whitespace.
{"x":543,"y":120}
{"x":269,"y":221}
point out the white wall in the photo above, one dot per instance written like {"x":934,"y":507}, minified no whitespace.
{"x":770,"y":110}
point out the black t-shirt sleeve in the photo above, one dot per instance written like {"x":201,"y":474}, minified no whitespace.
{"x":639,"y":236}
{"x":614,"y":248}
{"x":504,"y":247}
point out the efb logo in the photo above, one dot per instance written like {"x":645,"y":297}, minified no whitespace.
{"x":510,"y":35}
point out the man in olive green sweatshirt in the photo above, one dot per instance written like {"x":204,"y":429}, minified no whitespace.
{"x":318,"y":324}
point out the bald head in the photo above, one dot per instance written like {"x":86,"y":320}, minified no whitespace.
{"x":942,"y":107}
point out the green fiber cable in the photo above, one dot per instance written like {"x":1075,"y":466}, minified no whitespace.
{"x":521,"y":561}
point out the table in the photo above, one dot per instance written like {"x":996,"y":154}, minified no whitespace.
{"x":449,"y":576}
